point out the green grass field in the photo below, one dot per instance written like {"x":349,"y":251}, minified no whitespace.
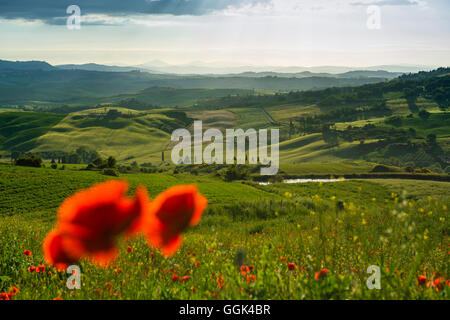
{"x":20,"y":130}
{"x":285,"y":113}
{"x":343,"y":227}
{"x":140,"y":138}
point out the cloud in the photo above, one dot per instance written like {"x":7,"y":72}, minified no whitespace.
{"x":388,"y":3}
{"x":54,"y":12}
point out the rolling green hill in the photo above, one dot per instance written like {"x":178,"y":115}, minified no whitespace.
{"x":132,"y":136}
{"x":20,"y":130}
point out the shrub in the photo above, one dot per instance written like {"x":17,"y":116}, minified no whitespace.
{"x":235,"y":172}
{"x":423,"y":170}
{"x":382,"y":168}
{"x":110,"y":172}
{"x":29,"y":161}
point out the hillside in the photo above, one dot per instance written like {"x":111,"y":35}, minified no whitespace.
{"x":37,"y":87}
{"x":126,"y":134}
{"x":20,"y":130}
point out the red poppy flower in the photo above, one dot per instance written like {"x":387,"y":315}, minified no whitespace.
{"x":291,"y":266}
{"x":90,"y":221}
{"x":27,"y":253}
{"x":185,"y":278}
{"x":321,"y":274}
{"x":245,"y":270}
{"x":5,"y":296}
{"x":40,"y":268}
{"x":13,"y":290}
{"x":129,"y":249}
{"x":58,"y":298}
{"x":170,"y":214}
{"x":54,"y":252}
{"x":31,"y":269}
{"x":437,"y":284}
{"x":422,"y":280}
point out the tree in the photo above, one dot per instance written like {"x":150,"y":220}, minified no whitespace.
{"x":112,"y":162}
{"x":29,"y":161}
{"x":424,"y":115}
{"x":330,"y":136}
{"x":98,"y":162}
{"x":411,"y":95}
{"x":431,"y":139}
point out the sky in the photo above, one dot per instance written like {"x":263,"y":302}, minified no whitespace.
{"x":229,"y":32}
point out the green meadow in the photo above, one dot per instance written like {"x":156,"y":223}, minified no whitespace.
{"x":343,"y":227}
{"x":255,"y":240}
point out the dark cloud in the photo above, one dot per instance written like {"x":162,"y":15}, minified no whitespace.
{"x":51,"y":11}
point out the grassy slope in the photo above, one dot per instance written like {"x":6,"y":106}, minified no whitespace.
{"x":137,"y":138}
{"x":251,"y":118}
{"x":30,"y":190}
{"x":19,"y":130}
{"x":417,"y":189}
{"x":285,"y":113}
{"x":260,"y":221}
{"x":170,"y":97}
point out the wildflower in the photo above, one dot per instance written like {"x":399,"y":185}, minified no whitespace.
{"x":27,"y":253}
{"x":174,"y":277}
{"x":5,"y":296}
{"x":58,"y":298}
{"x":220,"y":281}
{"x":170,"y":214}
{"x":54,"y":252}
{"x":437,"y":284}
{"x":250,"y":278}
{"x":31,"y":268}
{"x":245,"y":270}
{"x":40,"y":268}
{"x":185,"y":278}
{"x":13,"y":291}
{"x":291,"y":266}
{"x":321,"y":274}
{"x":89,"y":222}
{"x":129,"y":249}
{"x":422,"y":279}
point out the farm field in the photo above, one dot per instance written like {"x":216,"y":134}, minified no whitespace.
{"x":285,"y":234}
{"x":285,"y":113}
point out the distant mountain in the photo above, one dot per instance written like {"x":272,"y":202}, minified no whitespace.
{"x":99,"y":67}
{"x":369,"y":74}
{"x":307,"y":74}
{"x":81,"y":86}
{"x":201,"y":68}
{"x":25,"y":65}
